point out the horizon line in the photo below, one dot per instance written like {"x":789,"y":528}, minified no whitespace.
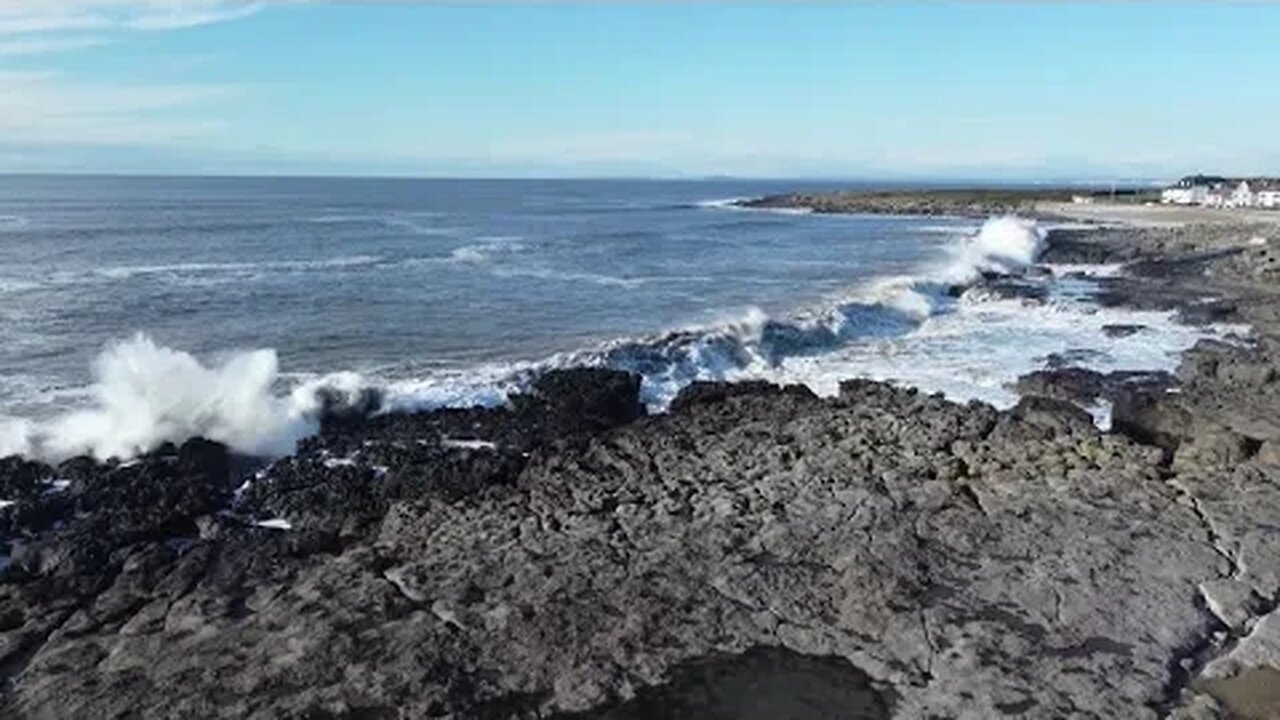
{"x":896,"y":180}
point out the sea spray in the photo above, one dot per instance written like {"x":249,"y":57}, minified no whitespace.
{"x":1003,"y":245}
{"x":145,"y":394}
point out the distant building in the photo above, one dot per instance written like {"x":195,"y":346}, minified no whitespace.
{"x":1214,"y":191}
{"x":1242,"y":196}
{"x":1191,"y":190}
{"x":1217,"y":197}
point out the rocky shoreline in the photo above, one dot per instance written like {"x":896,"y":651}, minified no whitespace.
{"x":968,"y":203}
{"x":757,"y":552}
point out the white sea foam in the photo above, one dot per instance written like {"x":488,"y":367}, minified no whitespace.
{"x":125,"y":272}
{"x":551,"y":274}
{"x":732,"y":203}
{"x":145,"y":394}
{"x":1003,"y":245}
{"x":736,"y":204}
{"x":951,"y":230}
{"x":981,"y":345}
{"x":486,"y":249}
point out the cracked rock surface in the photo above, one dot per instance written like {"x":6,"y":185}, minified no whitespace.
{"x":758,"y":552}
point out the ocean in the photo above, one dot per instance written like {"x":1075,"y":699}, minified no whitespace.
{"x":138,"y":310}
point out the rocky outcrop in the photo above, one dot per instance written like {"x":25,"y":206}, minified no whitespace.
{"x":884,"y":550}
{"x":757,"y":552}
{"x":972,"y":203}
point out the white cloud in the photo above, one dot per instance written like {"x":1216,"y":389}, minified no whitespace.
{"x":43,"y":16}
{"x":40,"y":108}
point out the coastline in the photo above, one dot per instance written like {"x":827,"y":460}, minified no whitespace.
{"x":569,"y":552}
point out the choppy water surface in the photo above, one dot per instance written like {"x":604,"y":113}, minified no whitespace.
{"x":446,"y":291}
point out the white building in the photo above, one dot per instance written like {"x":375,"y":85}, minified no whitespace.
{"x":1190,"y":190}
{"x":1213,"y":191}
{"x":1177,"y":195}
{"x":1218,"y":197}
{"x":1242,"y":196}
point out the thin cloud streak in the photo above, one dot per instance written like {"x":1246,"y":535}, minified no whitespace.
{"x":40,"y":108}
{"x":46,"y":46}
{"x":48,"y":16}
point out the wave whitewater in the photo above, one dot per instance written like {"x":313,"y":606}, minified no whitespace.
{"x":145,"y":394}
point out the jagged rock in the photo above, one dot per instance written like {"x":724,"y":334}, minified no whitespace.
{"x":1078,"y":385}
{"x":946,"y":559}
{"x":1214,"y":447}
{"x":581,"y":400}
{"x":887,"y":549}
{"x":1235,"y":603}
{"x":710,"y":393}
{"x":1247,"y":679}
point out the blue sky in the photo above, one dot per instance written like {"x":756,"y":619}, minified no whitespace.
{"x":860,"y":90}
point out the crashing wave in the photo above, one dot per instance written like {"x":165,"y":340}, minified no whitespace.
{"x":145,"y":394}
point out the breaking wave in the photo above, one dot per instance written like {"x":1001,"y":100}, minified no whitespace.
{"x":486,"y":249}
{"x":924,"y":329}
{"x":1003,"y":245}
{"x":145,"y":394}
{"x":125,"y":272}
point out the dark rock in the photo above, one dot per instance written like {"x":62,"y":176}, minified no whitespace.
{"x":1121,"y":330}
{"x":966,"y":202}
{"x":1075,"y":384}
{"x":756,"y":550}
{"x":1015,"y":288}
{"x":566,"y":402}
{"x":710,"y":393}
{"x":1072,"y":356}
{"x":1057,"y":417}
{"x":1153,"y":417}
{"x":22,"y":479}
{"x":905,"y":550}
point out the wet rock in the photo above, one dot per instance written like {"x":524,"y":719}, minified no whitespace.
{"x":1122,"y":330}
{"x":1075,"y":384}
{"x":1013,"y":288}
{"x":565,"y":402}
{"x":22,"y":479}
{"x":1072,"y":357}
{"x":764,"y":683}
